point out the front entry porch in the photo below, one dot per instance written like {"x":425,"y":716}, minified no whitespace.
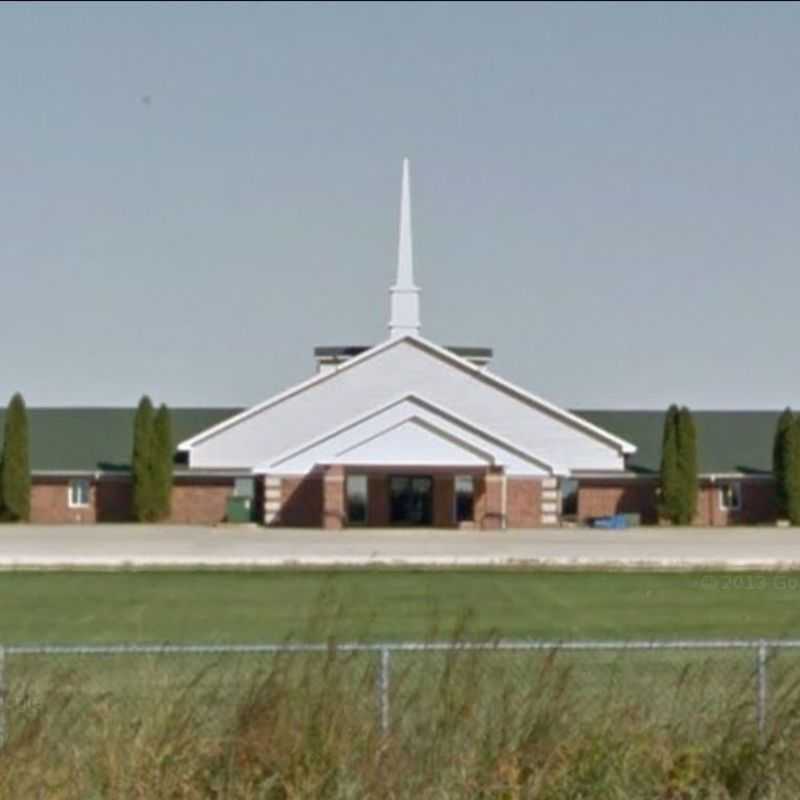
{"x":337,"y":496}
{"x":402,"y":496}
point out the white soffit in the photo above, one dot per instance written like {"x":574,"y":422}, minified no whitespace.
{"x":341,"y":444}
{"x":445,"y":355}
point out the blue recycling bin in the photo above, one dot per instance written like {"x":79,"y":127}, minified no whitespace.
{"x":614,"y":522}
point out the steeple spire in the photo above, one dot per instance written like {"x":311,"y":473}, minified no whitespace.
{"x":404,"y":295}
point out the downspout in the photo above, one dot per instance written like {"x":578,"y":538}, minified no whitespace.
{"x":712,"y":521}
{"x":504,"y":501}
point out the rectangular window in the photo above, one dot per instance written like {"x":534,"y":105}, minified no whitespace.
{"x":569,"y":498}
{"x":357,"y":499}
{"x":244,"y":487}
{"x":730,"y":496}
{"x":78,"y":493}
{"x":465,"y":498}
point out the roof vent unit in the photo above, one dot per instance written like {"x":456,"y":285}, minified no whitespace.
{"x":330,"y":358}
{"x":477,"y":356}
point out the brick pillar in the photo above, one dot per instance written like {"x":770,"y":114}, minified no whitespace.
{"x":333,"y":498}
{"x":551,"y":500}
{"x":494,"y":514}
{"x":443,"y":510}
{"x":271,"y":503}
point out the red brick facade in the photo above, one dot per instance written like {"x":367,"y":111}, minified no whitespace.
{"x":50,"y":503}
{"x":523,"y":502}
{"x":301,"y":501}
{"x":600,"y":498}
{"x":308,"y":501}
{"x":319,"y":499}
{"x":195,"y":500}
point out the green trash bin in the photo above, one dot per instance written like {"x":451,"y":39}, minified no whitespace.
{"x":239,"y":509}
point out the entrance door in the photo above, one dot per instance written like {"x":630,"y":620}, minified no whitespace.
{"x":411,"y":499}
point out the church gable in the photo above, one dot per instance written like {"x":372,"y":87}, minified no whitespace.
{"x":406,"y":364}
{"x":343,"y":444}
{"x":396,"y":368}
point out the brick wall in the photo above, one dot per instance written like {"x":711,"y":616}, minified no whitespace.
{"x":195,"y":500}
{"x":200,"y":501}
{"x":444,"y":501}
{"x":49,"y":503}
{"x":523,"y":502}
{"x":759,"y":504}
{"x":378,"y":509}
{"x":301,"y":501}
{"x":334,"y":501}
{"x":113,"y":498}
{"x":603,"y":498}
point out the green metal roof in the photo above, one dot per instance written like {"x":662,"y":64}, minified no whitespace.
{"x":100,"y":438}
{"x":72,"y":439}
{"x":727,"y":441}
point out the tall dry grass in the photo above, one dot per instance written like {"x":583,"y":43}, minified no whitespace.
{"x":463,"y":726}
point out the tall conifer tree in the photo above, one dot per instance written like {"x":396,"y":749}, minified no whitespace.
{"x":15,"y":469}
{"x":670,"y":499}
{"x":142,"y":461}
{"x":780,"y":457}
{"x":162,"y":462}
{"x":793,"y":472}
{"x":687,"y":466}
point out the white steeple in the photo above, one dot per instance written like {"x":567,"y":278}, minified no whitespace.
{"x":404,"y":295}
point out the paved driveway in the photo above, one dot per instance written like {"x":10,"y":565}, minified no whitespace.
{"x":228,"y":546}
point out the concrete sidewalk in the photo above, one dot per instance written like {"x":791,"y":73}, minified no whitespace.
{"x":115,"y":546}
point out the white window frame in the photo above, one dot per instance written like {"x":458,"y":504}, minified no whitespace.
{"x":455,"y":500}
{"x":73,"y":482}
{"x":738,"y":506}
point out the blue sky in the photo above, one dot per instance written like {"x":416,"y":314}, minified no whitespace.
{"x":196,"y":195}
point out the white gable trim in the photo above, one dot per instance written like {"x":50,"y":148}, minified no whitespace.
{"x":445,"y":355}
{"x":459,"y":421}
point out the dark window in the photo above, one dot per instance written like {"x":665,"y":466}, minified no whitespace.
{"x":569,"y":498}
{"x":411,"y":499}
{"x":465,"y":498}
{"x":730,"y":496}
{"x":357,"y":499}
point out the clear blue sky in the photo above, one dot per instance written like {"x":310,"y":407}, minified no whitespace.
{"x":193,"y":196}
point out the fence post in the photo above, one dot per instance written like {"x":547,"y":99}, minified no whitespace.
{"x":2,"y":696}
{"x":383,"y":689}
{"x":762,"y":690}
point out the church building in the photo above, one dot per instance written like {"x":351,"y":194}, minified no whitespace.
{"x":404,"y":433}
{"x":408,"y":433}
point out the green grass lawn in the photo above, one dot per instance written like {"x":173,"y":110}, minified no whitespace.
{"x":392,"y":604}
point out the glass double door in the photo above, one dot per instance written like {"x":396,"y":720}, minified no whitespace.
{"x":411,"y":499}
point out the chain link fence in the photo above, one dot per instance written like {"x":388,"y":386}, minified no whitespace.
{"x":400,"y":683}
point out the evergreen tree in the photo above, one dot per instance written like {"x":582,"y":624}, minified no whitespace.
{"x":670,"y":499}
{"x":780,"y":457}
{"x":687,"y":466}
{"x":792,"y":466}
{"x":15,"y":470}
{"x":162,"y":462}
{"x":142,"y":461}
